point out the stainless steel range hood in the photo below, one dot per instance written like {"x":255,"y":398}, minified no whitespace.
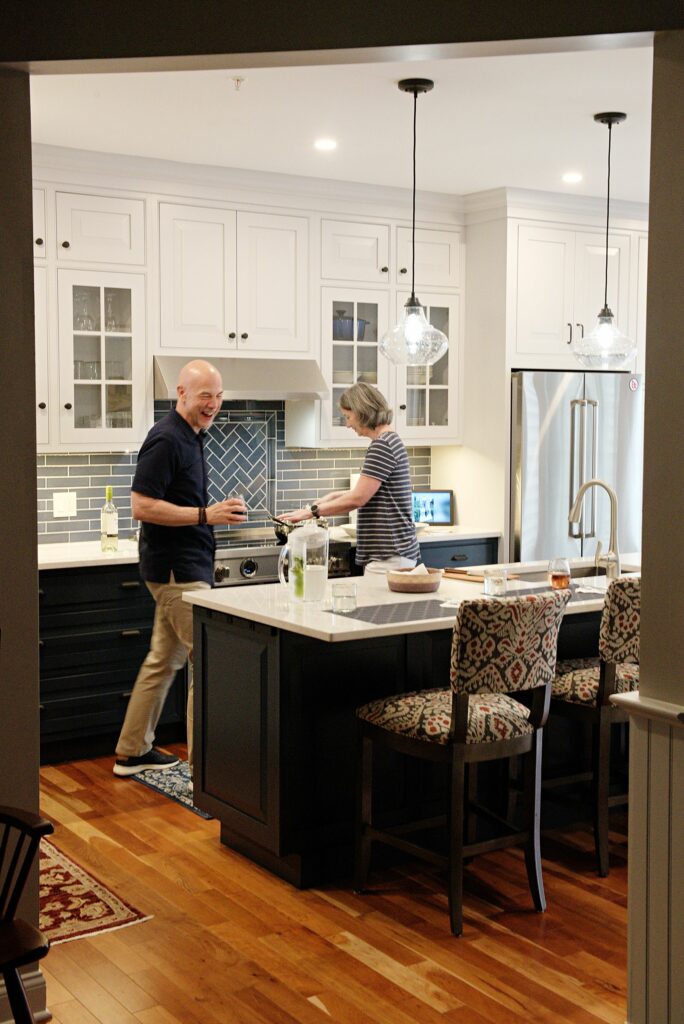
{"x":259,"y":379}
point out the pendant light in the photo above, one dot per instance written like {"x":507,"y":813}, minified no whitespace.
{"x":605,"y":347}
{"x":414,"y":341}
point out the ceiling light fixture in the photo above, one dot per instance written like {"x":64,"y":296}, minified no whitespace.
{"x":605,"y":347}
{"x":325,"y":145}
{"x":414,"y":341}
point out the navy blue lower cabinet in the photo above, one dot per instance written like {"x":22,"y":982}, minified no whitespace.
{"x":95,"y":628}
{"x":451,"y":554}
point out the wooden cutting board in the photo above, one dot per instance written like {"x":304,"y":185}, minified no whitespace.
{"x":469,"y":577}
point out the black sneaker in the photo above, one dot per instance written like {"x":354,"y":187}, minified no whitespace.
{"x":153,"y":760}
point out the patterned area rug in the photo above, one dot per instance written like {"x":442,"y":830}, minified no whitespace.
{"x":174,"y":783}
{"x":73,"y":904}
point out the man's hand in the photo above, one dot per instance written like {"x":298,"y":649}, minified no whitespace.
{"x":232,"y":510}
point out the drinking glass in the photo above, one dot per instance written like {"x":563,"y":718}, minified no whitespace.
{"x":559,"y":573}
{"x":344,"y":596}
{"x":494,"y":581}
{"x":237,"y":495}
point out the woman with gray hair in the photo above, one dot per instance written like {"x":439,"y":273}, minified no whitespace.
{"x":385,"y":532}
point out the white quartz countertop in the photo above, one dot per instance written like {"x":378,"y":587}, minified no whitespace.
{"x":427,"y":534}
{"x":84,"y":553}
{"x":269,"y":604}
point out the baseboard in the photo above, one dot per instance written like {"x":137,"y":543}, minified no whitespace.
{"x":34,"y":983}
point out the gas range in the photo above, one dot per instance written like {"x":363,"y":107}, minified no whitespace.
{"x":251,"y":555}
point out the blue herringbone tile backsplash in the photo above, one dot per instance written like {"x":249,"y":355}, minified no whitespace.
{"x":245,"y":451}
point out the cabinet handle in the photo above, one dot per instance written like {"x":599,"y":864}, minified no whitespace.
{"x":42,"y":405}
{"x":403,"y":408}
{"x":39,"y":241}
{"x":244,"y":336}
{"x":130,"y":584}
{"x":581,"y":327}
{"x":65,"y":245}
{"x":383,"y":270}
{"x":41,"y":707}
{"x":41,"y":593}
{"x":232,"y":334}
{"x":67,"y":405}
{"x":126,"y":695}
{"x":569,"y":341}
{"x":129,"y":632}
{"x":403,"y":270}
{"x":459,"y":558}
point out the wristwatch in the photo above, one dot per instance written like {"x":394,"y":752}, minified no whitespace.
{"x":315,"y":511}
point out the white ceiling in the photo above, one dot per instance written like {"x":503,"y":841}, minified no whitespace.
{"x":517,"y":121}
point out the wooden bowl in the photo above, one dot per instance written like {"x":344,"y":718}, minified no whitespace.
{"x":401,"y":581}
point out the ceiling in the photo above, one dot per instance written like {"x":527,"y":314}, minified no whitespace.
{"x":518,"y":121}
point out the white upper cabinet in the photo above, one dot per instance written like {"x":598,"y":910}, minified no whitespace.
{"x":438,"y":258}
{"x":101,"y":358}
{"x":39,"y":224}
{"x":100,"y":229}
{"x":232,"y":281}
{"x":560,"y":288}
{"x":42,"y":363}
{"x":353,"y":251}
{"x":426,"y":397}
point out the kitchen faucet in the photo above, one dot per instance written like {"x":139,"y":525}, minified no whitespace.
{"x":611,"y":559}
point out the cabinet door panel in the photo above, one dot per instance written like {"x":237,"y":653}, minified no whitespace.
{"x":438,"y":258}
{"x":355,"y":252}
{"x":197,"y":277}
{"x":546,"y":259}
{"x":590,"y":268}
{"x":42,"y":365}
{"x":39,"y":224}
{"x":272,"y":261}
{"x":100,"y":229}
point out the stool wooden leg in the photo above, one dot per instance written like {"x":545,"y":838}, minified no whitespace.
{"x":532,"y":787}
{"x":16,"y":996}
{"x":457,"y":797}
{"x":601,"y":788}
{"x":364,"y":802}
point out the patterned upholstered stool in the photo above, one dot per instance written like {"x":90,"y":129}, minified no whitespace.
{"x":499,"y":647}
{"x":581,"y":690}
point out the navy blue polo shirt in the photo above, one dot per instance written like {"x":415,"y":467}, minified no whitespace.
{"x":171,"y":468}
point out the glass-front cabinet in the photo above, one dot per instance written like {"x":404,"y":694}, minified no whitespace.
{"x":353,"y":321}
{"x":427,"y":396}
{"x":101,"y":357}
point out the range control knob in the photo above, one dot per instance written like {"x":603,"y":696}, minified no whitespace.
{"x":221,"y":572}
{"x":249,"y":568}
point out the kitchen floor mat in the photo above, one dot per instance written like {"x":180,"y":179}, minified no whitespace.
{"x":173,"y":783}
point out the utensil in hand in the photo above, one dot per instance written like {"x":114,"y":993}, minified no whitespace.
{"x":559,"y":573}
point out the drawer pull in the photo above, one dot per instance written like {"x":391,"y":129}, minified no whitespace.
{"x":126,"y":696}
{"x":459,"y":558}
{"x":130,"y":584}
{"x":41,"y":593}
{"x":41,"y":643}
{"x":41,"y":707}
{"x":130,"y":632}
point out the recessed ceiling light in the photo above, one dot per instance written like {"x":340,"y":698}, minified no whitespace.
{"x":325,"y":145}
{"x":572,"y":177}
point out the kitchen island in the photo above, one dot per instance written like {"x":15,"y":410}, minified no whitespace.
{"x":276,"y":687}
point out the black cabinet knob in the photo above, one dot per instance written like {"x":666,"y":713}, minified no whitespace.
{"x":65,"y":245}
{"x":459,"y":558}
{"x":384,"y":269}
{"x":403,"y":270}
{"x":67,"y":405}
{"x":39,"y":241}
{"x":42,"y":405}
{"x":402,"y":407}
{"x":232,"y":334}
{"x":244,"y":336}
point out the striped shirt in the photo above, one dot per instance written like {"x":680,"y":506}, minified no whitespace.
{"x":384,"y":524}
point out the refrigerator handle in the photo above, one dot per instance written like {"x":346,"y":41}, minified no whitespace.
{"x":577,"y":460}
{"x":593,"y":404}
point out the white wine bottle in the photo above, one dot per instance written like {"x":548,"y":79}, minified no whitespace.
{"x":109,"y":523}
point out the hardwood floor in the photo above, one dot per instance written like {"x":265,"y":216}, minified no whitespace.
{"x":231,"y":944}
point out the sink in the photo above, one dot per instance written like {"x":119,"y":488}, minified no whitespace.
{"x":577,"y":572}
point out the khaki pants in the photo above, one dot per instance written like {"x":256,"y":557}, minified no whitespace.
{"x":170,"y":645}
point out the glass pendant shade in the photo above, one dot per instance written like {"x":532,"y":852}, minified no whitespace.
{"x":605,"y":347}
{"x":413,"y":341}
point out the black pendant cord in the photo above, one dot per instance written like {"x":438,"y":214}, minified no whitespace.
{"x":605,"y":294}
{"x":413,"y":215}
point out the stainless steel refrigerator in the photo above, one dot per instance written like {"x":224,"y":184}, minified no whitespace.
{"x":567,"y":428}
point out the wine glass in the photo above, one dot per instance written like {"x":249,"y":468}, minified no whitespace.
{"x":559,"y":573}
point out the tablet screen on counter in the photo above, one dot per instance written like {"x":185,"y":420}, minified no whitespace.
{"x":435,"y":507}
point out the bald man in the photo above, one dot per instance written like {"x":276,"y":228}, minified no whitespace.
{"x":169,"y":497}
